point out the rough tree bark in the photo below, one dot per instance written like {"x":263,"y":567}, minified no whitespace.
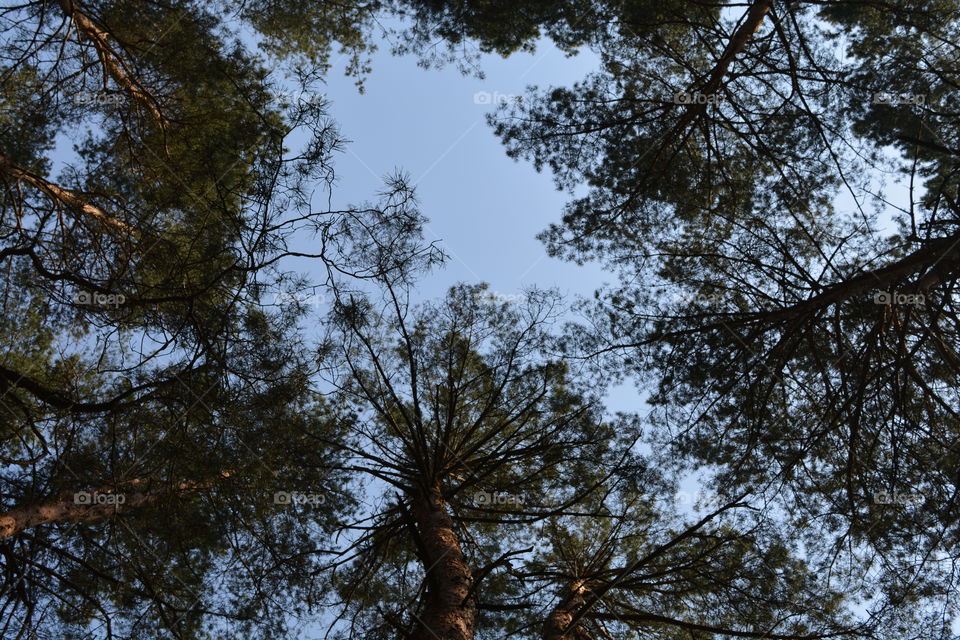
{"x":556,"y":625}
{"x":450,"y":611}
{"x":20,"y":519}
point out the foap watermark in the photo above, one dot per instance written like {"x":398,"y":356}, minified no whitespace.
{"x":298,"y":498}
{"x":686,"y":97}
{"x":885,"y":497}
{"x":88,"y":299}
{"x":496,"y":296}
{"x":491,"y":498}
{"x":486,"y":97}
{"x":101,"y":98}
{"x":894,"y":297}
{"x":894,"y":99}
{"x":92,"y":498}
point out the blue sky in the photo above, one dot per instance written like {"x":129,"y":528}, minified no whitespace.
{"x":485,"y":208}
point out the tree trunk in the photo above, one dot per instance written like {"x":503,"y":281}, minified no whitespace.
{"x":451,"y":611}
{"x":20,"y":519}
{"x":751,"y":24}
{"x":111,"y":60}
{"x":69,"y":509}
{"x":63,"y":196}
{"x":555,"y":628}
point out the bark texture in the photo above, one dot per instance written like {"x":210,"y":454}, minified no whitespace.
{"x":63,"y":197}
{"x":556,"y":626}
{"x":450,"y":612}
{"x":68,"y":509}
{"x":112,"y":62}
{"x":20,"y":519}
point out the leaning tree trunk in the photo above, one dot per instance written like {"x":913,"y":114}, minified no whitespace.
{"x":19,"y":519}
{"x":110,"y":57}
{"x":62,"y":196}
{"x":65,"y":510}
{"x":450,"y":612}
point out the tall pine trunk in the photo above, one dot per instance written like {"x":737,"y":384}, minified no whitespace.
{"x":450,"y":612}
{"x":555,"y":627}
